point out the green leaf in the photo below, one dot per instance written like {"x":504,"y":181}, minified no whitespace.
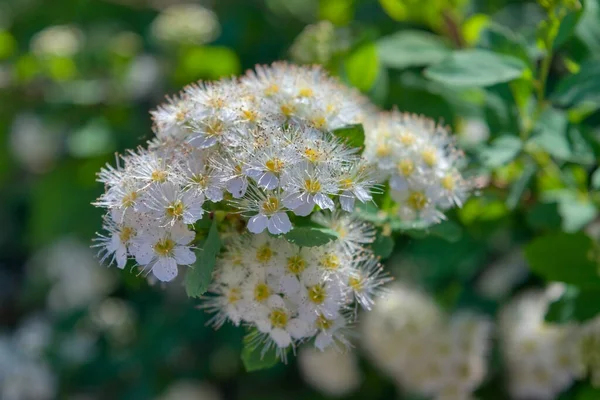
{"x":576,"y":212}
{"x":502,"y":40}
{"x":476,"y":67}
{"x":583,"y":86}
{"x":501,"y":151}
{"x":574,"y":305}
{"x":383,"y":246}
{"x":447,"y":230}
{"x":362,"y":67}
{"x":411,"y":48}
{"x":253,"y":357}
{"x":554,"y":135}
{"x":518,"y":188}
{"x":544,"y":216}
{"x":588,"y":392}
{"x":199,"y":276}
{"x":354,"y":135}
{"x":310,"y":236}
{"x":564,"y":257}
{"x":595,"y":180}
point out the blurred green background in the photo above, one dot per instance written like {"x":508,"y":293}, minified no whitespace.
{"x":77,"y":80}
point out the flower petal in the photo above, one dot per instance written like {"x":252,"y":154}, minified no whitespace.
{"x":184,"y":256}
{"x":258,"y":223}
{"x":298,"y":328}
{"x":165,"y":269}
{"x":281,"y":338}
{"x":279,"y":223}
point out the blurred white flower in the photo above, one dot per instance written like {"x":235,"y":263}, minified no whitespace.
{"x":186,"y":23}
{"x":58,"y":40}
{"x":502,"y":276}
{"x":33,"y":143}
{"x":330,"y":372}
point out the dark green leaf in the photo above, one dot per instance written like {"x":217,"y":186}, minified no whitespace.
{"x":310,"y":236}
{"x":595,"y":180}
{"x":564,"y":257}
{"x":544,"y":216}
{"x":518,"y":188}
{"x":588,"y":392}
{"x":476,"y":67}
{"x":354,"y":135}
{"x":583,"y":86}
{"x":575,"y":304}
{"x":383,"y":245}
{"x":502,"y":40}
{"x":199,"y":276}
{"x":410,"y":48}
{"x":501,"y":151}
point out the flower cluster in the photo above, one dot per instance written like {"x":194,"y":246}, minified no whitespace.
{"x":590,"y":342}
{"x":419,"y":160}
{"x":291,"y":294}
{"x":261,"y":146}
{"x":542,"y":359}
{"x":424,"y":350}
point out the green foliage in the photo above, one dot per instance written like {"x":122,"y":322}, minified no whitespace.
{"x":353,"y":135}
{"x":310,"y":236}
{"x":501,"y":151}
{"x":254,"y":357}
{"x":475,"y":68}
{"x":565,"y":257}
{"x":198,"y":278}
{"x":362,"y":67}
{"x":584,"y":86}
{"x":406,"y":48}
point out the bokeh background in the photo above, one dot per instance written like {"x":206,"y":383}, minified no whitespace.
{"x":77,"y":81}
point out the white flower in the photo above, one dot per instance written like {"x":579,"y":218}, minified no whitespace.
{"x":168,"y":203}
{"x":271,"y":212}
{"x":162,"y":250}
{"x":278,"y":321}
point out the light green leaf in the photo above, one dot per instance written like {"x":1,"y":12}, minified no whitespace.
{"x":354,"y":135}
{"x":576,"y":212}
{"x":583,"y":86}
{"x":501,"y":151}
{"x":564,"y":257}
{"x":253,"y":357}
{"x":411,"y":48}
{"x":199,"y":276}
{"x":310,"y":236}
{"x":518,"y":188}
{"x":595,"y":180}
{"x":362,"y":67}
{"x":476,"y":67}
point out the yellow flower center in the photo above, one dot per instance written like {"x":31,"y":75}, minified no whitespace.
{"x":318,"y":121}
{"x":323,"y":323}
{"x":448,"y":182}
{"x":126,"y":234}
{"x":417,"y":200}
{"x":159,"y":176}
{"x":287,"y":109}
{"x":312,"y":186}
{"x":235,"y":295}
{"x":275,"y":165}
{"x":382,"y":150}
{"x":406,"y":167}
{"x":271,"y":90}
{"x":264,"y":253}
{"x":271,"y":205}
{"x":279,"y":318}
{"x":175,"y":209}
{"x":164,"y":247}
{"x":429,"y":157}
{"x":346,"y":183}
{"x":238,"y":169}
{"x":261,"y":292}
{"x":356,"y":283}
{"x":129,"y":199}
{"x":407,"y":138}
{"x":216,"y":102}
{"x":305,"y":92}
{"x":214,"y":128}
{"x":250,"y":115}
{"x":317,"y":294}
{"x":296,"y":264}
{"x":180,"y":115}
{"x":312,"y":155}
{"x":200,"y":179}
{"x":330,"y":261}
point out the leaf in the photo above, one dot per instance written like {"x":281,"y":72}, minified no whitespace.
{"x":253,"y":357}
{"x":595,"y":180}
{"x":354,"y":135}
{"x":447,"y":230}
{"x":501,"y":151}
{"x":518,"y":188}
{"x":583,"y":86}
{"x":576,"y":212}
{"x":411,"y":48}
{"x":502,"y":40}
{"x":199,"y":277}
{"x":362,"y":67}
{"x":476,"y":67}
{"x":310,"y":236}
{"x":544,"y":216}
{"x":555,"y":136}
{"x":383,"y":246}
{"x":564,"y":257}
{"x":575,"y":305}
